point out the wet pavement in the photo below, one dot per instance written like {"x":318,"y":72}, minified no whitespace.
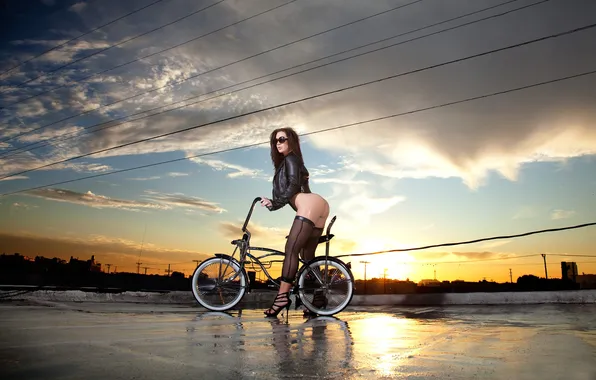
{"x":141,"y":341}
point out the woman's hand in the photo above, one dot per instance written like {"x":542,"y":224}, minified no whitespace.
{"x":265,"y":202}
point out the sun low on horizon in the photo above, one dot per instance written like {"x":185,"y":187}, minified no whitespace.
{"x":143,"y":143}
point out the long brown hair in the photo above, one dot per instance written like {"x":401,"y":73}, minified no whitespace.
{"x":293,"y":144}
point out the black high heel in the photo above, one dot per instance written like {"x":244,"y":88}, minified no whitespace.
{"x":319,"y":301}
{"x":286,"y":306}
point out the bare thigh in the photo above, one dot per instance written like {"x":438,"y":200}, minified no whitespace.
{"x":312,"y":206}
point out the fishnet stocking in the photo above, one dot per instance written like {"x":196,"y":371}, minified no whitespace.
{"x":308,"y":252}
{"x":300,"y":233}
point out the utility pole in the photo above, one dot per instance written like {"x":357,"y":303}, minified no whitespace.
{"x":365,"y":262}
{"x":168,"y":271}
{"x":197,"y":261}
{"x":545,"y":271}
{"x":510,"y":276}
{"x":434,"y":270}
{"x":108,"y":265}
{"x":145,"y":269}
{"x":139,"y":266}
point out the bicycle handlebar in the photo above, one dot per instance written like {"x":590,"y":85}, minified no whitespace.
{"x":257,"y":199}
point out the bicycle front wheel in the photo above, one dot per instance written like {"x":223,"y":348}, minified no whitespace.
{"x":219,"y":283}
{"x":325,"y":286}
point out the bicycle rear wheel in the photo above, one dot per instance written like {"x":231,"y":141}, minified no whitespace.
{"x":219,"y":283}
{"x":325,"y":292}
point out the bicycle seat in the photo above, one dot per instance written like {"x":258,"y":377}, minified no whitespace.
{"x":322,"y":239}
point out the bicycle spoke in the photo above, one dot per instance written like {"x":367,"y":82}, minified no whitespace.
{"x":217,"y":288}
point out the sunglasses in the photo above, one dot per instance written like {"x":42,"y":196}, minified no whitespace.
{"x":281,"y":140}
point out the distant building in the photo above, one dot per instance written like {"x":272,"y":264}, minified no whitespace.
{"x":429,"y":282}
{"x":569,"y":271}
{"x":84,"y":265}
{"x":16,"y":258}
{"x":586,"y":281}
{"x":43,"y":261}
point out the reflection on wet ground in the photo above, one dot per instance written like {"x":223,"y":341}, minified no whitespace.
{"x":92,"y":341}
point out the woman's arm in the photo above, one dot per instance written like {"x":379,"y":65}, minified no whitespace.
{"x":293,"y":188}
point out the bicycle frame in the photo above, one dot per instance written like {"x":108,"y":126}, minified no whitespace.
{"x":304,"y":287}
{"x":244,"y":246}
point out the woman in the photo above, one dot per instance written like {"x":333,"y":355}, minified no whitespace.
{"x":290,"y":186}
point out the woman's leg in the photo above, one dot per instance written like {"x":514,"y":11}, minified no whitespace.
{"x":299,"y":234}
{"x":307,"y":227}
{"x":308,"y":252}
{"x":319,"y":207}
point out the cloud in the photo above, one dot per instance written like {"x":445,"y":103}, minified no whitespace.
{"x":46,"y":134}
{"x":121,"y":253}
{"x":479,"y":255}
{"x":155,"y":177}
{"x":21,"y":205}
{"x":234,"y":170}
{"x":465,"y":256}
{"x":562,"y":214}
{"x":177,"y":174}
{"x":340,"y":181}
{"x":155,"y":200}
{"x":494,"y":244}
{"x":525,"y":212}
{"x":28,"y":161}
{"x":468,"y":141}
{"x":78,"y":7}
{"x":357,"y":204}
{"x":363,"y":204}
{"x":14,"y":178}
{"x":92,"y":200}
{"x":87,"y":168}
{"x":233,"y":230}
{"x":324,"y":174}
{"x":320,"y":171}
{"x":181,"y":200}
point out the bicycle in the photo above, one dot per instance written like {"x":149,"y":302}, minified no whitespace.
{"x":332,"y":274}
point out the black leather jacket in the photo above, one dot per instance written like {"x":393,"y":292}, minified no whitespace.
{"x":290,"y":179}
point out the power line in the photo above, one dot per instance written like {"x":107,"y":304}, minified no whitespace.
{"x":518,"y":264}
{"x":179,"y":263}
{"x":477,"y":241}
{"x":118,"y":44}
{"x":217,"y":68}
{"x":82,"y":35}
{"x":77,"y":133}
{"x":214,"y":69}
{"x":306,"y":98}
{"x":170,"y":48}
{"x":475,"y":260}
{"x":149,"y":55}
{"x":309,"y":133}
{"x":565,"y":255}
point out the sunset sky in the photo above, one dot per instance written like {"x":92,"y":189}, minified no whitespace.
{"x":505,"y":164}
